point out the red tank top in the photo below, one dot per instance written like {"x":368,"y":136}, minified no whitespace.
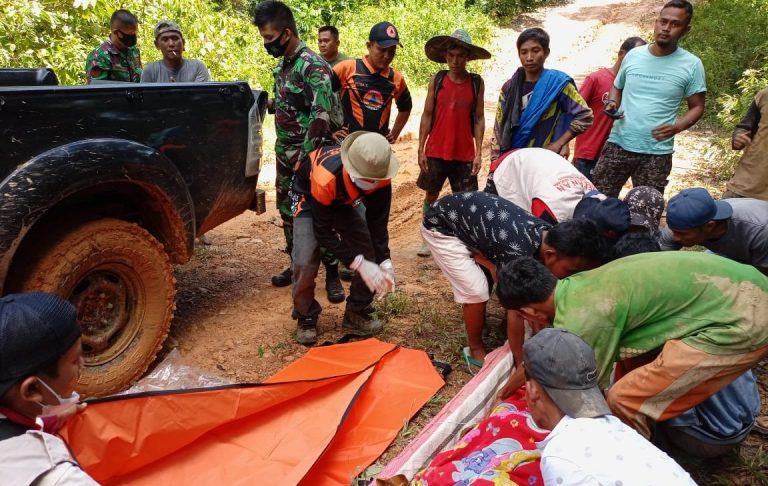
{"x":451,"y":137}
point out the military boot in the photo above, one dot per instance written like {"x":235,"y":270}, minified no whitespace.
{"x":333,"y":285}
{"x":282,"y":279}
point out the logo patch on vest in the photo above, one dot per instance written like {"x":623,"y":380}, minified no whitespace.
{"x":373,"y":100}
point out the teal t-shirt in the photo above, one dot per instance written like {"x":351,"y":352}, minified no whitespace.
{"x":652,"y":89}
{"x":635,"y":304}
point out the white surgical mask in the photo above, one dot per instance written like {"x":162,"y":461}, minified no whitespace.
{"x":65,"y":403}
{"x":365,"y":185}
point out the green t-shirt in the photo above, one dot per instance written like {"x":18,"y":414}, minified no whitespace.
{"x":636,"y":304}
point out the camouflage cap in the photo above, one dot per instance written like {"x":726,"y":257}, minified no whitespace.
{"x":645,"y":205}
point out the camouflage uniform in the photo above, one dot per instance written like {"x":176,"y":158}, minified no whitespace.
{"x":306,"y":111}
{"x":109,"y":63}
{"x":616,"y":165}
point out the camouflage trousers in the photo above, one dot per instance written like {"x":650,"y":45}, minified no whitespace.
{"x":616,"y":166}
{"x":284,"y":203}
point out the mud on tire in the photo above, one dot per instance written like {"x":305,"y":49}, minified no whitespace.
{"x":121,"y":281}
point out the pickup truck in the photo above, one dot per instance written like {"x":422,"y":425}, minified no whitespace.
{"x":105,"y":187}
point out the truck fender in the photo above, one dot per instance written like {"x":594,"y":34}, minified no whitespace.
{"x":47,"y":179}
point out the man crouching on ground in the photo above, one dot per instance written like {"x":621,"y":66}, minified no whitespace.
{"x":40,"y":363}
{"x":343,"y":201}
{"x":680,"y":326}
{"x":466,"y":229}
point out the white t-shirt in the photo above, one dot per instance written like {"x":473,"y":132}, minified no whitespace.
{"x":605,"y":451}
{"x":539,"y":173}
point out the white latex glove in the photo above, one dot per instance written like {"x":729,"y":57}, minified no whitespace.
{"x":387,"y":267}
{"x":374,"y":277}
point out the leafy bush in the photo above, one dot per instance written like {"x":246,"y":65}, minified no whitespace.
{"x":55,"y":33}
{"x":311,"y":14}
{"x":417,"y":21}
{"x":726,"y":36}
{"x":505,"y":10}
{"x":61,"y":33}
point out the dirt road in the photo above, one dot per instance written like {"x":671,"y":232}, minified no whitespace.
{"x":231,"y":322}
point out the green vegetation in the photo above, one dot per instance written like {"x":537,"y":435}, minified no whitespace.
{"x":725,"y":35}
{"x":503,"y":11}
{"x":393,"y":305}
{"x":61,"y":33}
{"x":58,"y":34}
{"x":417,"y":21}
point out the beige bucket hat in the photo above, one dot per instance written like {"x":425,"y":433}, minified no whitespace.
{"x":368,"y":155}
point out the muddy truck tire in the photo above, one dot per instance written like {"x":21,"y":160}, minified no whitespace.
{"x":121,"y":281}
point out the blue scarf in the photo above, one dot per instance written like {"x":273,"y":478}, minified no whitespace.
{"x":545,"y":92}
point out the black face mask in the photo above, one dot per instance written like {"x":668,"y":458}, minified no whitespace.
{"x":275,"y":48}
{"x":126,"y":39}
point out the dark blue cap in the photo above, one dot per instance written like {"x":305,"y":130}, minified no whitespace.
{"x":384,"y":34}
{"x":35,"y":329}
{"x":611,"y":215}
{"x":694,"y":207}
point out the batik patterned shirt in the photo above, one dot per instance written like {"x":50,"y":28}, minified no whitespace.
{"x":494,"y":227}
{"x":305,"y":105}
{"x":108,"y":63}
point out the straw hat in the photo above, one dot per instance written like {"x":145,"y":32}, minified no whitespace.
{"x":435,"y":47}
{"x":368,"y":155}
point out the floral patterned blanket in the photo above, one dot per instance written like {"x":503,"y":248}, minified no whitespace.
{"x":499,"y":451}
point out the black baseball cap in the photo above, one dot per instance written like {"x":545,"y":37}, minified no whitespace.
{"x":565,"y":366}
{"x":35,"y":329}
{"x":611,"y":215}
{"x":385,"y":34}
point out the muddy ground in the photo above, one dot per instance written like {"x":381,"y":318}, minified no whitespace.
{"x":231,"y":322}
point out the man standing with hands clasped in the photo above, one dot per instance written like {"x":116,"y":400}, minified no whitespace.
{"x":369,"y":85}
{"x":644,"y":101}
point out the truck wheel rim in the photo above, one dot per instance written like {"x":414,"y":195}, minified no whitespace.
{"x":105,"y":298}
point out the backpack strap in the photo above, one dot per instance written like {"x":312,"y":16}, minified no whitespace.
{"x":438,"y":84}
{"x":476,"y":80}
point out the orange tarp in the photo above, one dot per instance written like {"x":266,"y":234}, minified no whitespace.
{"x":322,"y":420}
